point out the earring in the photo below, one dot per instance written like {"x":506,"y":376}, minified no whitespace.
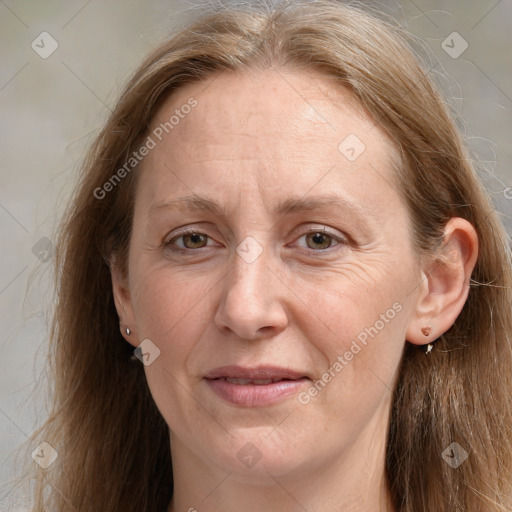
{"x":426,"y":330}
{"x":128,"y":332}
{"x":428,"y":348}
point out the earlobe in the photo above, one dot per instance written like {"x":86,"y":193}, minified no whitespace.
{"x":445,"y":287}
{"x":123,"y":304}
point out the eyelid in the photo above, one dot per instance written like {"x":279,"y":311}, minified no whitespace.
{"x":301,"y":231}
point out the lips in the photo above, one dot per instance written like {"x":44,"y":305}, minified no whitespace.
{"x":255,"y":387}
{"x":256,"y":382}
{"x":255,"y":373}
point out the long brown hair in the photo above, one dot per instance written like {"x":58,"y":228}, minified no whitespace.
{"x":112,"y":442}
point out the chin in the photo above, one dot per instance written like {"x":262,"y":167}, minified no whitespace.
{"x":252,"y":456}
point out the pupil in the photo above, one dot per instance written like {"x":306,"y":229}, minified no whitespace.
{"x":320,"y":239}
{"x":194,"y":240}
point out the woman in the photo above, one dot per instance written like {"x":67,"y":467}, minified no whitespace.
{"x":281,"y":285}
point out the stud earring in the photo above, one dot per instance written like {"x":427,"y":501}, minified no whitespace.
{"x":426,"y":332}
{"x":128,"y":332}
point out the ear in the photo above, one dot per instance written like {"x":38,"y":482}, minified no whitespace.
{"x":445,"y":285}
{"x":123,"y":303}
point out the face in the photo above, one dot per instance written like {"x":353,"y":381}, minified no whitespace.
{"x":270,"y":264}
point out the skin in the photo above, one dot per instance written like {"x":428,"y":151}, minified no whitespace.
{"x":253,"y":141}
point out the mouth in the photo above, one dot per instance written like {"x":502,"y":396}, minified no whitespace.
{"x":255,"y":382}
{"x":255,"y":387}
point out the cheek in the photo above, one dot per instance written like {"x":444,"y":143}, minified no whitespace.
{"x":171,"y":309}
{"x":357,"y":321}
{"x":342,"y":302}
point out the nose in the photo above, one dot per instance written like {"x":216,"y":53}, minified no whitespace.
{"x":251,"y":305}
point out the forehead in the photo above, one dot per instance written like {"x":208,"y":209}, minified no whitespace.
{"x":260,"y":104}
{"x":274,"y":129}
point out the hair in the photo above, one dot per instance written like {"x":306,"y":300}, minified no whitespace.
{"x":113,"y":443}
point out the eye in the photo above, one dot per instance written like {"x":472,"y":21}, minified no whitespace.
{"x":320,"y":240}
{"x":194,"y":240}
{"x":191,"y":240}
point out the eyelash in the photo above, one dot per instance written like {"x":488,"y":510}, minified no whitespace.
{"x":340,"y":241}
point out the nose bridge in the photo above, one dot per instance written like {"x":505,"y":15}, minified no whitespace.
{"x":250,"y":307}
{"x":249,"y":270}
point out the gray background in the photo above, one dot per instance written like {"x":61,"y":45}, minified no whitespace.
{"x":51,"y":108}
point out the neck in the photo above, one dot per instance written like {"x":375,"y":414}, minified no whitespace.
{"x":354,"y":480}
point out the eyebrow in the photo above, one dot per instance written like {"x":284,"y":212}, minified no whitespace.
{"x":319,"y":202}
{"x":195,"y":203}
{"x":191,"y":204}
